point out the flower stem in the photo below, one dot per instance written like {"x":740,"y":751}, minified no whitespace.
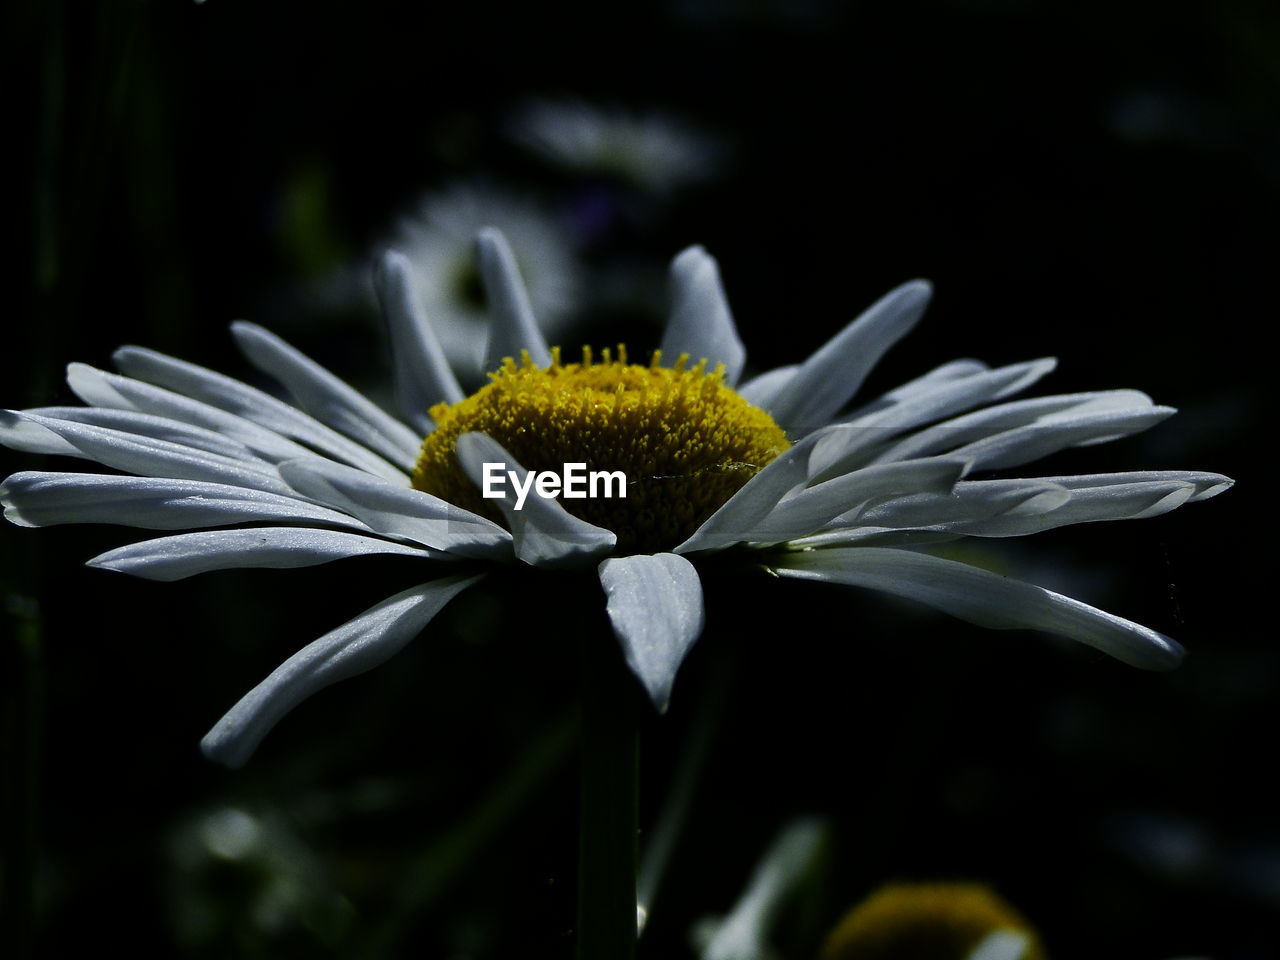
{"x":664,"y":837}
{"x":607,"y":832}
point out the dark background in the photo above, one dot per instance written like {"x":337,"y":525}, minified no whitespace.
{"x":1091,"y":181}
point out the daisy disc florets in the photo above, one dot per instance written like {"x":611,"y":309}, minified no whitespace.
{"x":685,"y":441}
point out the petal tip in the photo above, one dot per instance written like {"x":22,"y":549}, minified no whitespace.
{"x":690,"y":257}
{"x":918,"y":288}
{"x":225,"y":749}
{"x":390,"y":265}
{"x":1167,"y":655}
{"x":1221,"y":485}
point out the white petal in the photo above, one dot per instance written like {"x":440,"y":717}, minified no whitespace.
{"x":1129,"y":501}
{"x":133,"y":453}
{"x":946,"y":398}
{"x":514,"y":328}
{"x":422,"y":374}
{"x":966,"y":502}
{"x":954,"y":433}
{"x":808,"y":510}
{"x":700,"y":323}
{"x":546,"y":535}
{"x":398,"y":511}
{"x":325,"y":397}
{"x":184,"y":555}
{"x":110,"y":390}
{"x":876,"y":537}
{"x":30,"y":434}
{"x":760,"y":391}
{"x":947,"y":372}
{"x":1025,"y":444}
{"x":252,"y":404}
{"x":983,"y":598}
{"x":1206,"y":484}
{"x":155,"y":428}
{"x":937,"y":396}
{"x":828,"y":379}
{"x":655,"y":605}
{"x":38,"y":499}
{"x":933,"y":517}
{"x":357,"y":646}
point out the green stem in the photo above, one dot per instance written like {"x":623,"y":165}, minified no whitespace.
{"x":665,"y":835}
{"x":608,"y":818}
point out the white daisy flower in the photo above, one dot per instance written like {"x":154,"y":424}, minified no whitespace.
{"x":653,"y":150}
{"x":769,"y":469}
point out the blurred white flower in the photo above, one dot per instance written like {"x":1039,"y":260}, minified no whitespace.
{"x":745,"y":933}
{"x":438,"y":237}
{"x":651,"y":149}
{"x":840,"y":498}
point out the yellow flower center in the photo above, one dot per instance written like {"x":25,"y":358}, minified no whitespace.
{"x":938,"y":921}
{"x":685,"y":441}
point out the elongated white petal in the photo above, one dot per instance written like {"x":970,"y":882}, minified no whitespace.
{"x":947,"y":397}
{"x":700,"y":323}
{"x":808,"y":510}
{"x":1206,"y":484}
{"x":251,"y":403}
{"x":423,"y":377}
{"x":967,"y":502}
{"x":357,"y":646}
{"x":983,"y":598}
{"x":933,"y":517}
{"x":828,"y":379}
{"x":514,"y":327}
{"x":760,"y":391}
{"x":1025,"y":444}
{"x":184,"y":555}
{"x":546,"y":534}
{"x":876,"y":537}
{"x":155,"y":428}
{"x":944,"y":373}
{"x":325,"y":397}
{"x":1130,"y":501}
{"x":133,"y":453}
{"x":958,"y":431}
{"x":655,"y":605}
{"x":398,"y":511}
{"x":943,"y":397}
{"x":110,"y":390}
{"x":38,"y":499}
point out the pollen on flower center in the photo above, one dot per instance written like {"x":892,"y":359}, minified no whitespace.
{"x":685,"y":440}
